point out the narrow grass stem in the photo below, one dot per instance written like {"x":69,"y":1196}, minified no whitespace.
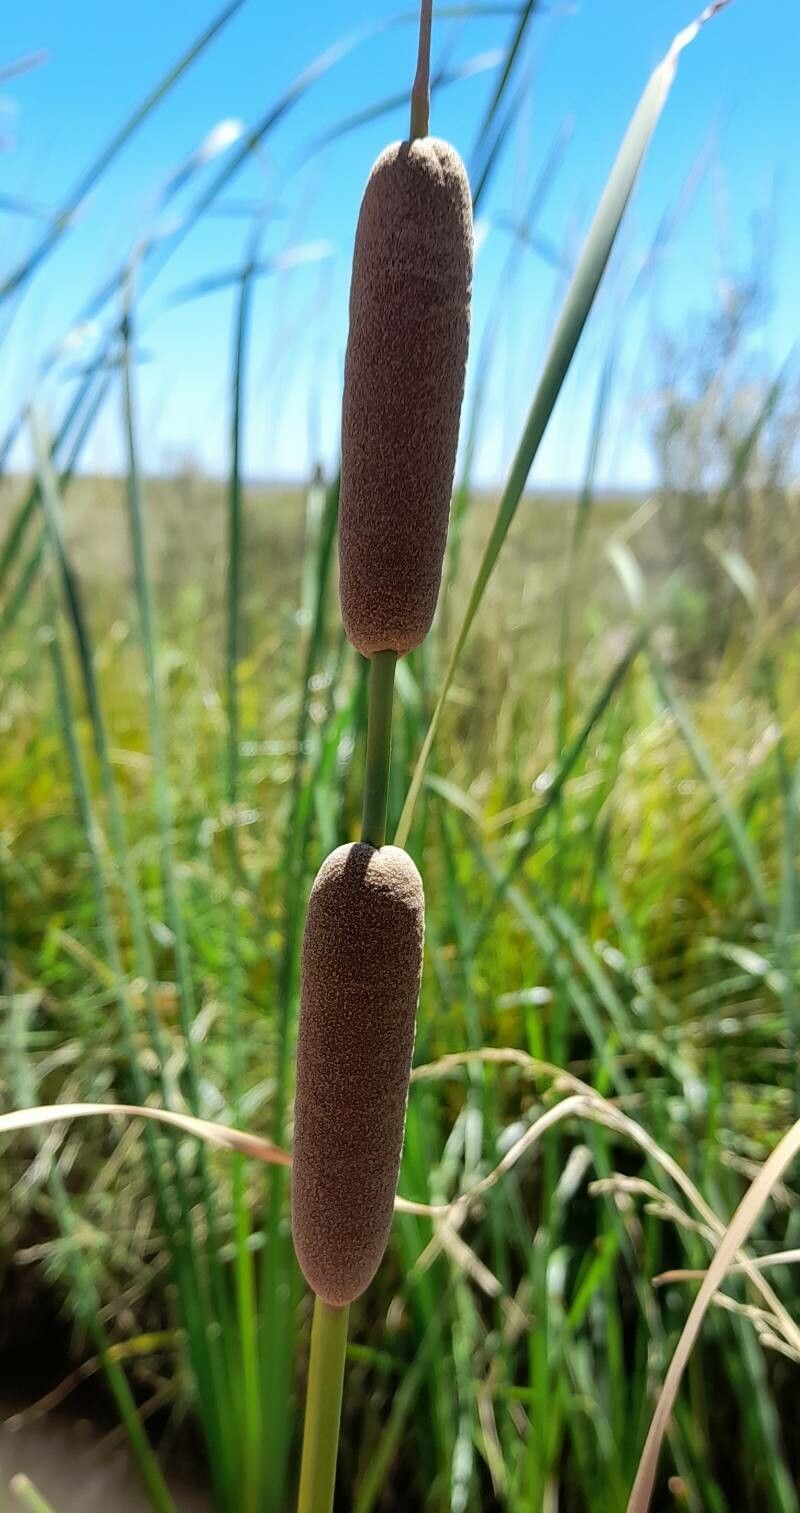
{"x":323,"y":1408}
{"x":379,"y":741}
{"x":28,"y":1497}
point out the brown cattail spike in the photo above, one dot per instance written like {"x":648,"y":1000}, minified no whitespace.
{"x":404,"y":383}
{"x":361,"y":969}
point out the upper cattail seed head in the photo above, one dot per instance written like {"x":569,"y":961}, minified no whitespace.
{"x":403,"y":387}
{"x":360,"y":979}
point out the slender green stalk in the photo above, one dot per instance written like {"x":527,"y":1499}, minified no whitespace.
{"x":379,"y":739}
{"x":178,"y":1229}
{"x":501,"y":112}
{"x":251,"y":1467}
{"x":733,"y":821}
{"x":84,"y":1292}
{"x":29,"y":573}
{"x":27,"y":1495}
{"x":223,"y":1374}
{"x":17,"y":532}
{"x":323,"y":1408}
{"x":279,"y":1268}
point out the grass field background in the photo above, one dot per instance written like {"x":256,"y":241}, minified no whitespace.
{"x":628,"y":941}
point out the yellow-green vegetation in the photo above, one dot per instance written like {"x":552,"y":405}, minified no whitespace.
{"x":636,"y":929}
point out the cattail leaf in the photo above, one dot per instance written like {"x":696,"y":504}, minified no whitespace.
{"x":14,"y":204}
{"x":455,"y":796}
{"x":499,"y":117}
{"x":299,"y":256}
{"x":27,"y":1495}
{"x":391,"y":1438}
{"x":167,"y":244}
{"x":64,"y":216}
{"x":629,"y":573}
{"x":23,"y":65}
{"x":575,"y":312}
{"x":738,"y":570}
{"x":205,"y":1353}
{"x":214,"y":143}
{"x":734,"y":822}
{"x":542,"y":245}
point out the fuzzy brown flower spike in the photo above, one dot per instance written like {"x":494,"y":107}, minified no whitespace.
{"x":361,"y":969}
{"x":404,"y":383}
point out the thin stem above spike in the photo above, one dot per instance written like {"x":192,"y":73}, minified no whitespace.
{"x":421,"y":88}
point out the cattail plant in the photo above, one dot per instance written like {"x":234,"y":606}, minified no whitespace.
{"x":362,"y":947}
{"x":362,"y":956}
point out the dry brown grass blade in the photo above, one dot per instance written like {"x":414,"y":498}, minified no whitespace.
{"x":735,"y":1236}
{"x":221,"y":1135}
{"x":776,"y":1258}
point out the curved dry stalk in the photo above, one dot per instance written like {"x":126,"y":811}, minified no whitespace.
{"x":602,"y":1111}
{"x":657,"y":1202}
{"x":615,"y":1119}
{"x":772,"y":1341}
{"x":221,"y":1135}
{"x":735,"y":1236}
{"x":500,"y":1055}
{"x":775,"y":1258}
{"x":577,"y":1104}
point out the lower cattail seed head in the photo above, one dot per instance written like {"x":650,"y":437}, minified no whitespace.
{"x":404,"y":383}
{"x":361,"y":970}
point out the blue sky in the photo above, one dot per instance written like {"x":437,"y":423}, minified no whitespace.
{"x":731,"y":118}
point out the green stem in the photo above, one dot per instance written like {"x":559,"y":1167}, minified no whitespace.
{"x":421,"y":88}
{"x":27,"y":1495}
{"x":323,"y":1408}
{"x":379,"y":740}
